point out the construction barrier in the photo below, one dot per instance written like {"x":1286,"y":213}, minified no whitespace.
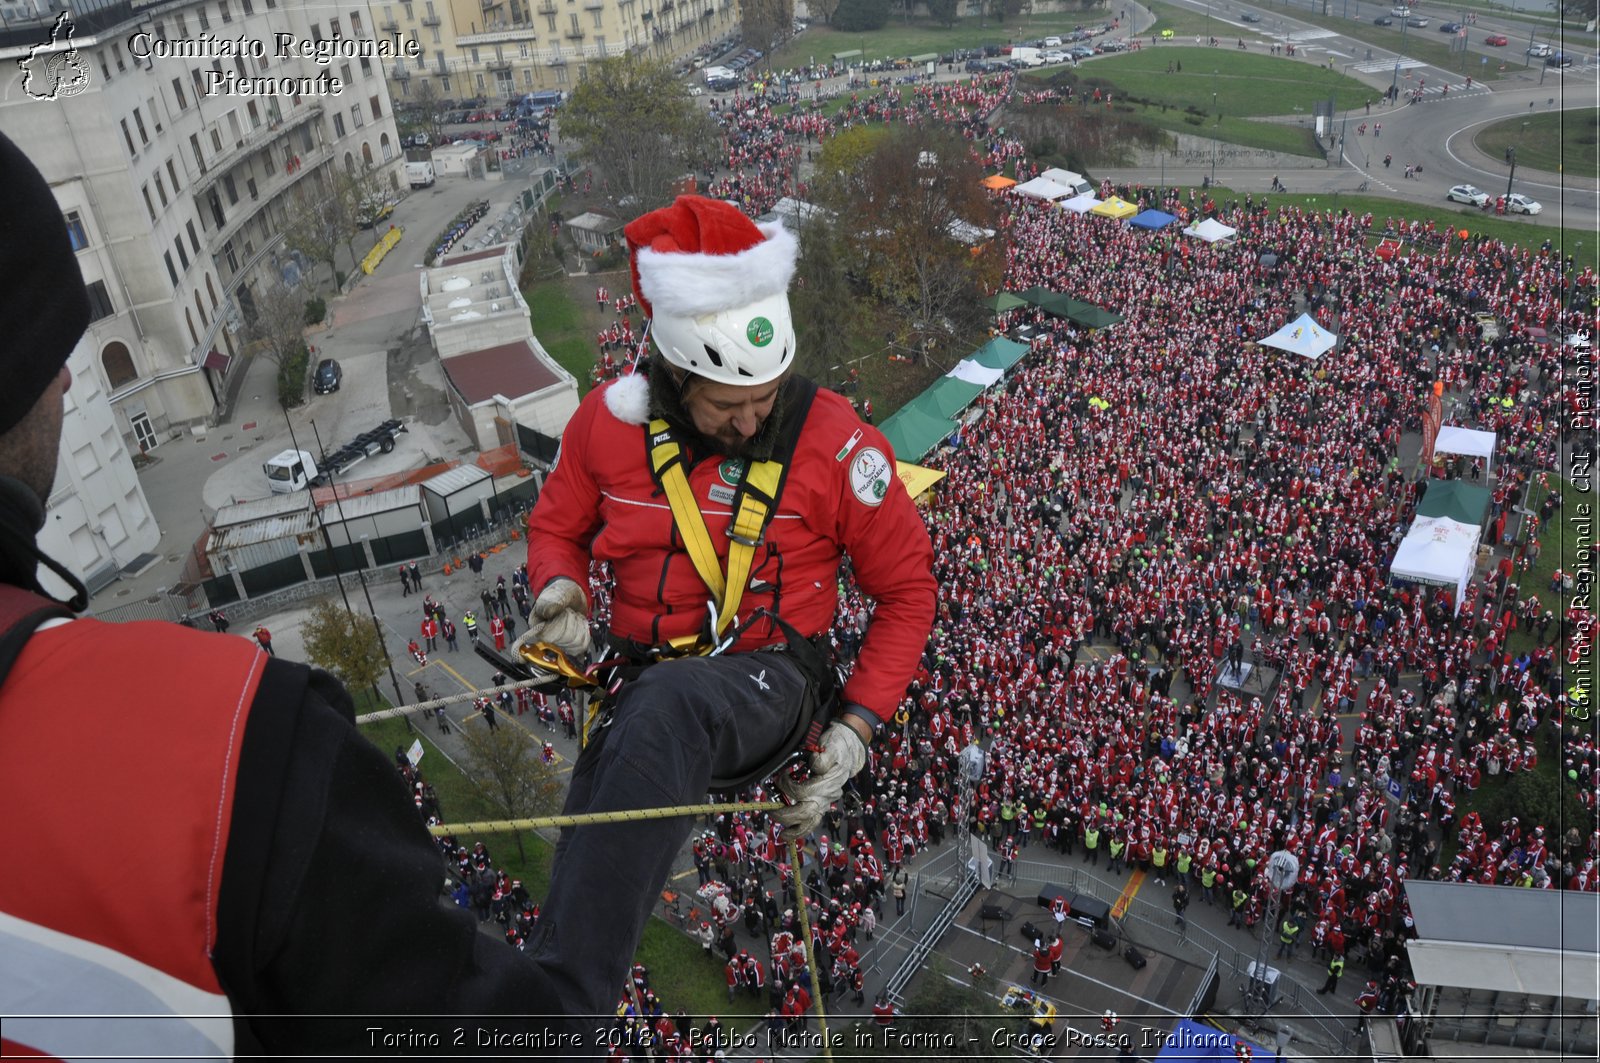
{"x":383,"y":247}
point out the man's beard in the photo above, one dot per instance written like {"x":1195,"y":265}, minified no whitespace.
{"x":666,"y":402}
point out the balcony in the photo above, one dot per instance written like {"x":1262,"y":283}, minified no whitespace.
{"x":593,"y":5}
{"x":238,"y":214}
{"x":574,"y":33}
{"x":400,"y":72}
{"x":547,"y":7}
{"x":389,"y":26}
{"x":497,"y":64}
{"x":431,"y":21}
{"x":219,"y":165}
{"x":518,"y":32}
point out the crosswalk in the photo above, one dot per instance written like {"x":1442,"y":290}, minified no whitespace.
{"x":1383,"y":66}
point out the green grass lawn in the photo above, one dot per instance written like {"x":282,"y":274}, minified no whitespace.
{"x":1557,"y":549}
{"x":560,"y":328}
{"x":1556,"y":141}
{"x":1242,"y":84}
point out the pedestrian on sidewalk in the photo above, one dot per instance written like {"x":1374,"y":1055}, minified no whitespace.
{"x":416,"y":575}
{"x":1180,"y":904}
{"x":1335,"y":969}
{"x":447,"y":628}
{"x":264,"y":637}
{"x":405,"y":582}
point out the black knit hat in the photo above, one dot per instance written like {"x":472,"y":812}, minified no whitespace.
{"x":41,"y":290}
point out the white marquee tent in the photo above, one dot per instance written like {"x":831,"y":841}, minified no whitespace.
{"x":1454,"y":439}
{"x":1211,"y":231}
{"x":1302,"y":336}
{"x":1081,"y":204}
{"x":1040,"y":188}
{"x":1439,"y":552}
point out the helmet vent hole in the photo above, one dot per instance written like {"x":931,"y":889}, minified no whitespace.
{"x":711,"y":353}
{"x":745,"y":372}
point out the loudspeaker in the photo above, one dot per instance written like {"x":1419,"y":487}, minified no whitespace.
{"x":994,"y":911}
{"x":1048,"y":895}
{"x":1031,"y":932}
{"x":1135,"y":958}
{"x":1103,"y":939}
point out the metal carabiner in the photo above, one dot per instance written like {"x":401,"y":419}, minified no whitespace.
{"x":548,"y":658}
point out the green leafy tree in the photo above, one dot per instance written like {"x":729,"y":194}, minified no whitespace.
{"x":908,"y":201}
{"x":853,"y":16}
{"x":763,"y":23}
{"x":635,"y":123}
{"x":320,"y":223}
{"x":944,"y":12}
{"x":823,"y":9}
{"x":505,"y":771}
{"x":275,"y":326}
{"x":1538,"y":798}
{"x":344,"y":644}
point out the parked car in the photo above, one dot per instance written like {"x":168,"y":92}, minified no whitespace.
{"x":1539,"y":51}
{"x":1495,"y":40}
{"x":1417,"y":22}
{"x":1051,"y":42}
{"x":327,"y":377}
{"x":1467,"y":194}
{"x":1558,"y":59}
{"x":1517,"y":203}
{"x":1400,"y":11}
{"x":1055,"y":56}
{"x":1383,"y":20}
{"x":1449,"y":27}
{"x":1249,"y":16}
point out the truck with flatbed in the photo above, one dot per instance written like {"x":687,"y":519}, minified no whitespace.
{"x":293,"y":470}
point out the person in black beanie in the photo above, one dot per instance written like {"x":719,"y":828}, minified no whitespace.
{"x":260,"y":881}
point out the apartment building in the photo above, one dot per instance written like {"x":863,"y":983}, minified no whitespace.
{"x":504,"y":48}
{"x":179,"y":137}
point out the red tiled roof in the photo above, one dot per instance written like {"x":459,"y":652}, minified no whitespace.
{"x":510,"y":369}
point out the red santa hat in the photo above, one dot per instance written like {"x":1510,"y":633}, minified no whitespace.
{"x":701,"y":256}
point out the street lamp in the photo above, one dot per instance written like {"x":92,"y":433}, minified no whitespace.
{"x":1511,"y":157}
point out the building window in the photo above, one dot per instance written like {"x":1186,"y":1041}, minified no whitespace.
{"x":249,"y":7}
{"x":366,"y":67}
{"x":99,"y":300}
{"x":138,"y":120}
{"x":161,"y":31}
{"x":344,"y":73}
{"x":316,"y":32}
{"x":231,"y":188}
{"x":80,"y":239}
{"x":333,"y":29}
{"x":172,"y":273}
{"x":179,"y":95}
{"x":435,"y":32}
{"x":338,"y":125}
{"x":118,"y":365}
{"x":116,"y":55}
{"x":149,"y":204}
{"x":199,"y":156}
{"x":223,"y":9}
{"x":183,"y":256}
{"x":356,"y":121}
{"x":161,"y":189}
{"x":205,"y":19}
{"x":410,"y":14}
{"x":172,"y":173}
{"x":598,"y":13}
{"x":194,"y":239}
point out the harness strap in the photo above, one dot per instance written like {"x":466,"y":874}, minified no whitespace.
{"x":21,"y":613}
{"x":755,"y":502}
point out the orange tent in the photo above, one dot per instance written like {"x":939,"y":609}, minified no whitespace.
{"x":996,"y":182}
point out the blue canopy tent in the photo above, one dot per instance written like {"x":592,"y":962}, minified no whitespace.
{"x":1152,"y":219}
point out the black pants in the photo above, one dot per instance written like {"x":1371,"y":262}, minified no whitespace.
{"x":675,"y":728}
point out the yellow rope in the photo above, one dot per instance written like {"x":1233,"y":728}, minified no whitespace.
{"x":502,"y":826}
{"x":811,"y":954}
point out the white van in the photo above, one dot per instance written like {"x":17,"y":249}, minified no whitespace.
{"x":419,"y":174}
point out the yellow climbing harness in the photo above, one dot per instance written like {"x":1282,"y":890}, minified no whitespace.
{"x":755,"y":501}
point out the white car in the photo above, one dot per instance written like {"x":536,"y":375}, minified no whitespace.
{"x":1055,"y":56}
{"x":1517,"y":203}
{"x":1400,"y":12}
{"x":1051,"y":42}
{"x":1467,"y":194}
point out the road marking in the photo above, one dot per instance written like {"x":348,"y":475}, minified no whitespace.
{"x":1378,"y":66}
{"x":1127,"y":895}
{"x":458,"y":676}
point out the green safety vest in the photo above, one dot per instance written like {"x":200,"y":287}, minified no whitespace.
{"x":1117,"y":845}
{"x":1008,"y":812}
{"x":1184,"y":860}
{"x":1091,"y":839}
{"x":1039,"y":816}
{"x":1289,"y":932}
{"x":1240,"y":898}
{"x":1208,"y":878}
{"x":1336,"y":966}
{"x":1158,"y":857}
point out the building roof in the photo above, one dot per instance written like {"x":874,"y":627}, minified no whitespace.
{"x":509,"y":369}
{"x":1505,"y":938}
{"x":453,"y":480}
{"x":355,"y":506}
{"x":599,"y":223}
{"x":275,"y":505}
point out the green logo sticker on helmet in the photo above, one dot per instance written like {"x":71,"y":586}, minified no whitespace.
{"x":759,"y":331}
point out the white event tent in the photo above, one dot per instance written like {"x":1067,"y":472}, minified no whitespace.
{"x":1302,"y":336}
{"x":1041,"y":188}
{"x":1454,"y":439}
{"x":1439,"y":552}
{"x":1211,"y":231}
{"x":1080,"y":204}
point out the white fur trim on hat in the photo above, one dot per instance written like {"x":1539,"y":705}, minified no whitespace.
{"x":628,"y":399}
{"x":685,"y":284}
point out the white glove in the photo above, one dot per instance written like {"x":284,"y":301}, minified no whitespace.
{"x":842,"y":755}
{"x":561,"y":618}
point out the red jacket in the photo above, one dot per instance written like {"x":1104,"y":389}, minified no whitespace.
{"x":841,"y":497}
